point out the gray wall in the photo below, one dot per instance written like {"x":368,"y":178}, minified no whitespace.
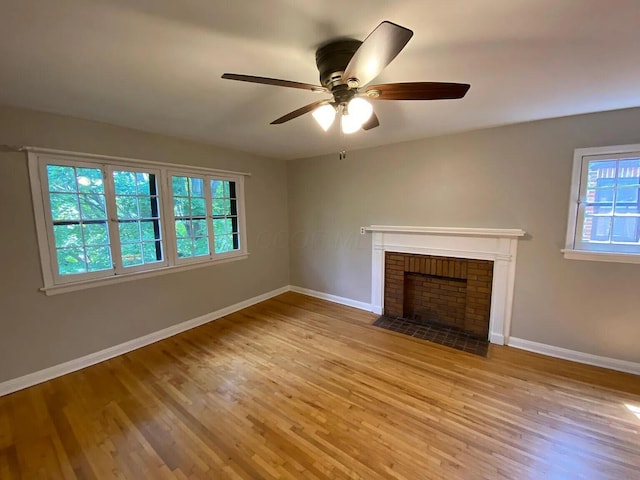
{"x":509,"y":177}
{"x":37,"y":331}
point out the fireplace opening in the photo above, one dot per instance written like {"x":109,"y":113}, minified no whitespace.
{"x":434,"y":299}
{"x":435,"y":291}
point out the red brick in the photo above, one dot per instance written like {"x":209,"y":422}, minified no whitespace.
{"x":464,"y":304}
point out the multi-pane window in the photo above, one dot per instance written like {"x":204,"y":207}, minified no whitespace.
{"x":99,"y":219}
{"x":78,"y":209}
{"x":190,"y":212}
{"x":206,"y":217}
{"x":610,"y":207}
{"x":224,"y":217}
{"x":607,"y":201}
{"x":138,"y":214}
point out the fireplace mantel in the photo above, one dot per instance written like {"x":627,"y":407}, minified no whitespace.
{"x":459,"y":231}
{"x":498,"y":245}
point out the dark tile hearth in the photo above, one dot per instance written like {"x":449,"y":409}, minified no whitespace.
{"x":437,"y":333}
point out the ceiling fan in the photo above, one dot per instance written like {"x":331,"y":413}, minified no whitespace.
{"x":346,"y":67}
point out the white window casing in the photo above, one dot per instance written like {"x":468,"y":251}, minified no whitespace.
{"x":582,"y":243}
{"x":55,"y":283}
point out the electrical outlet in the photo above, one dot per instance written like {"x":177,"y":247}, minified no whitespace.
{"x":362,"y":230}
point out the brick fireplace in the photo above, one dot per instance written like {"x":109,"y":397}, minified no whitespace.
{"x":455,"y":292}
{"x":449,"y":250}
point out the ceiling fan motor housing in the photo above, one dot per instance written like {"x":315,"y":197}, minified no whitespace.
{"x":332,"y":59}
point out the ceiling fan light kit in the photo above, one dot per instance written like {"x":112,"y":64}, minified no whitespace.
{"x":325,"y":115}
{"x":346,"y":67}
{"x":349,"y":124}
{"x":355,"y":114}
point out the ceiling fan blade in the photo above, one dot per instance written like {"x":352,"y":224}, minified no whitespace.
{"x":417,"y":91}
{"x":298,"y":112}
{"x":274,"y":81}
{"x":373,"y":122}
{"x":376,"y":52}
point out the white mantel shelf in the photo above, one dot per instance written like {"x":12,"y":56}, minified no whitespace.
{"x":499,"y":245}
{"x":457,"y":231}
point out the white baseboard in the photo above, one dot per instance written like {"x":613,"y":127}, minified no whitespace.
{"x":332,"y":298}
{"x":40,"y":376}
{"x":580,"y":357}
{"x":34,"y":378}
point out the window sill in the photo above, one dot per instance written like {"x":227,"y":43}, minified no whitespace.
{"x":73,"y":287}
{"x":570,"y":254}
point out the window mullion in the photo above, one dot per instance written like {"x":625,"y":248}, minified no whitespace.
{"x":208,"y":199}
{"x":112,"y":215}
{"x":582,"y":202}
{"x":615,"y":199}
{"x":167,"y":217}
{"x":240,"y":205}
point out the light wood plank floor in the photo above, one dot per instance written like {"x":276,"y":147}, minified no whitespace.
{"x":300,"y":388}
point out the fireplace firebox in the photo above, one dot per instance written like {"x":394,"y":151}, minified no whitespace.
{"x":454,"y":292}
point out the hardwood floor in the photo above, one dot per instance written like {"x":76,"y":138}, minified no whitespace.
{"x":300,"y":388}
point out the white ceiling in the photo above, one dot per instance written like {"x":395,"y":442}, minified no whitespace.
{"x":155,"y":65}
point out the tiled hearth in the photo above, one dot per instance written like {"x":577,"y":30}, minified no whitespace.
{"x":433,"y":332}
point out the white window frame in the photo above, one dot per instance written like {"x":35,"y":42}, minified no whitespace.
{"x":114,"y":233}
{"x":54,"y":283}
{"x":209,"y":215}
{"x":52,"y":254}
{"x":574,"y":250}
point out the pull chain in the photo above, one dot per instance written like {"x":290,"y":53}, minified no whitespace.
{"x":343,"y":152}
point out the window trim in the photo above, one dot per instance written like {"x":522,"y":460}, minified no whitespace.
{"x":48,"y":220}
{"x":54,"y":283}
{"x":574,"y":222}
{"x":114,"y":223}
{"x":209,"y":214}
